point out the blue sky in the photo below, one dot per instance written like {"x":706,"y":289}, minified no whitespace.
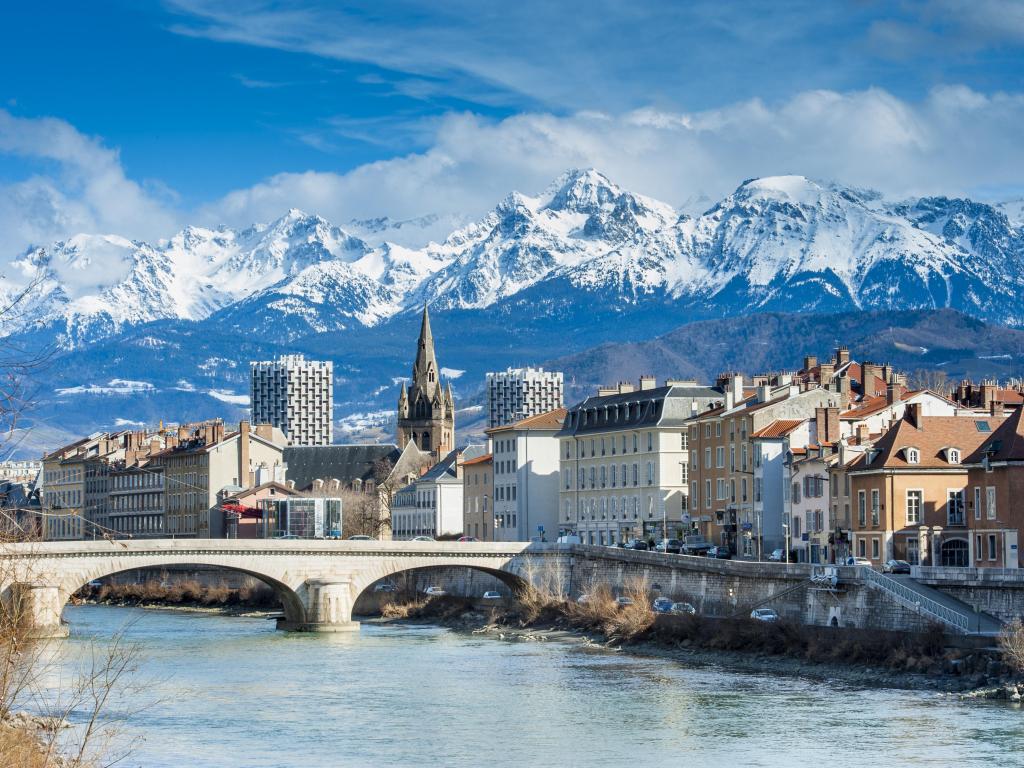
{"x":137,"y":117}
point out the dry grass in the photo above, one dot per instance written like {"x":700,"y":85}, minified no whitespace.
{"x":188,"y":592}
{"x":1011,"y":643}
{"x":20,"y":749}
{"x":619,"y":623}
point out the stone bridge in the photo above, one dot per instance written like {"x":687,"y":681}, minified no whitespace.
{"x":317,"y":581}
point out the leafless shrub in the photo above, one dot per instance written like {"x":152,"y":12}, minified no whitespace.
{"x":1011,"y":643}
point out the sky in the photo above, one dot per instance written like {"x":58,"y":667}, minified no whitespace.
{"x":137,"y":117}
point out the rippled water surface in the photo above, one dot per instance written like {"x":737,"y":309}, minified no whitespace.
{"x":229,"y":692}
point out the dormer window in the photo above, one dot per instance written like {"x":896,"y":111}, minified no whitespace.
{"x":953,"y":455}
{"x":913,"y":456}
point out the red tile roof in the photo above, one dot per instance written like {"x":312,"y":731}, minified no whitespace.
{"x":1005,"y":443}
{"x":778,"y":428}
{"x":485,"y":459}
{"x":966,"y":433}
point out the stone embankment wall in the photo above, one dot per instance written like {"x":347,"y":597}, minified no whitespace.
{"x":996,"y":591}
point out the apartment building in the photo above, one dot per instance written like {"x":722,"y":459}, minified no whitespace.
{"x":74,"y":481}
{"x":431,"y":505}
{"x":995,"y":487}
{"x":525,"y":462}
{"x":772,"y":448}
{"x":624,"y":460}
{"x":811,"y":526}
{"x":20,"y":471}
{"x":910,"y":489}
{"x":205,"y":461}
{"x":478,"y":489}
{"x":295,"y":395}
{"x":135,"y":506}
{"x":722,"y":455}
{"x":519,"y":393}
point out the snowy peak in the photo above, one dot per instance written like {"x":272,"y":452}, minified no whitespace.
{"x":778,"y":242}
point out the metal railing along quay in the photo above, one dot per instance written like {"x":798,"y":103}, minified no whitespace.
{"x":915,"y":599}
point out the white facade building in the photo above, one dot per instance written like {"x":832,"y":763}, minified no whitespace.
{"x":525,"y":486}
{"x":297,"y":396}
{"x":625,"y":462}
{"x":432,"y":505}
{"x":519,"y":393}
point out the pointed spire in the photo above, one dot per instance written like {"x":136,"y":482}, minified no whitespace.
{"x":424,"y":371}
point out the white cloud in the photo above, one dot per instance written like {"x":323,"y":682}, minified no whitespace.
{"x":84,"y":188}
{"x":451,"y":373}
{"x":955,"y":141}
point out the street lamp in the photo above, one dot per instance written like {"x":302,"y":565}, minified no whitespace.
{"x":785,"y":531}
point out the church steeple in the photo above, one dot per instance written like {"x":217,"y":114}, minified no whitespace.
{"x":424,"y":370}
{"x":426,"y":411}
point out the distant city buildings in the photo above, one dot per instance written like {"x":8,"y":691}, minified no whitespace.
{"x":295,"y":395}
{"x":519,"y":393}
{"x":20,"y":471}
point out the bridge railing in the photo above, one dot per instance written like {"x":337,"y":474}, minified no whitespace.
{"x":915,"y":599}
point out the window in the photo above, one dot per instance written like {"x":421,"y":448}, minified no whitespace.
{"x":874,"y":506}
{"x":720,"y":489}
{"x":707,"y":458}
{"x":707,"y":494}
{"x":954,"y":456}
{"x":977,"y":548}
{"x":636,"y":474}
{"x":604,"y":475}
{"x":636,"y":442}
{"x":862,"y":509}
{"x":743,"y":489}
{"x":650,"y":473}
{"x":862,"y":547}
{"x":757,"y":489}
{"x":732,"y":458}
{"x":955,"y":507}
{"x":796,"y":493}
{"x":914,"y":501}
{"x":612,"y":474}
{"x":990,"y":502}
{"x":743,"y":457}
{"x":977,"y":502}
{"x":707,"y":430}
{"x":718,"y":429}
{"x":694,"y":499}
{"x":650,"y":441}
{"x":913,"y":456}
{"x":992,"y":546}
{"x":874,"y":549}
{"x":684,"y":442}
{"x":720,"y":457}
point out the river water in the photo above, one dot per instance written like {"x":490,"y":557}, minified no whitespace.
{"x":229,"y":692}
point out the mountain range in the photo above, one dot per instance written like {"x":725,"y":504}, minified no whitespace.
{"x":141,"y":331}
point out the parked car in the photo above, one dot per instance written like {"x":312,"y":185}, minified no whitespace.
{"x":434,"y":592}
{"x":777,"y":556}
{"x":360,"y":537}
{"x":468,"y":538}
{"x":720,"y":553}
{"x":583,"y":599}
{"x":95,"y":584}
{"x":764,"y":614}
{"x":859,"y":561}
{"x":492,"y":595}
{"x":422,"y":538}
{"x":283,"y":535}
{"x":671,"y":546}
{"x":622,"y":601}
{"x":695,"y":545}
{"x":662,"y":605}
{"x":637,"y":544}
{"x":896,"y":566}
{"x":385,"y":586}
{"x":682,"y":609}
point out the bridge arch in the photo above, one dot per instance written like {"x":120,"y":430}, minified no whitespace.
{"x":508,"y":576}
{"x":291,"y":603}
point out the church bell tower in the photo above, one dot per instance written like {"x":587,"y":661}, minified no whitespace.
{"x":426,"y":411}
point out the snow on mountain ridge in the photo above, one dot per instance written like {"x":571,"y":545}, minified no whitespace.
{"x":779,"y":241}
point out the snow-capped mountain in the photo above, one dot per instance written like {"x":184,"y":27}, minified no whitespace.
{"x":584,"y":248}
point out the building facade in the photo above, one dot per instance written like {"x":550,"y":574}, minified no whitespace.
{"x":478,"y":488}
{"x":203,"y":463}
{"x":526,"y":473}
{"x":296,"y":396}
{"x":432,"y":505}
{"x":910,"y":490}
{"x":426,"y":411}
{"x":519,"y":393}
{"x":624,"y":460}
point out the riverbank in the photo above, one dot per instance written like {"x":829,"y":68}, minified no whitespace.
{"x":27,"y":741}
{"x":856,"y":658}
{"x":253,"y":601}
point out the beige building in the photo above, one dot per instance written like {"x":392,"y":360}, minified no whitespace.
{"x":205,"y":462}
{"x":477,"y":504}
{"x":624,"y":461}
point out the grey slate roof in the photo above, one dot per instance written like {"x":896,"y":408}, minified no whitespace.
{"x":668,"y":406}
{"x":344,"y":463}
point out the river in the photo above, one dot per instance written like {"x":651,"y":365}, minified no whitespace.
{"x":228,"y":692}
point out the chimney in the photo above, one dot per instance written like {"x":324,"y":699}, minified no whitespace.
{"x":290,"y":485}
{"x":844,"y":391}
{"x":862,"y":434}
{"x":736,"y":387}
{"x":624,"y":387}
{"x":871,"y":375}
{"x":318,"y":484}
{"x":810,"y":361}
{"x":988,"y":393}
{"x":183,"y":432}
{"x":996,"y":408}
{"x":826,"y":421}
{"x":832,"y":423}
{"x":764,"y":393}
{"x":892,"y":393}
{"x":647,"y":382}
{"x":243,"y":454}
{"x":266,"y":431}
{"x":913,"y":415}
{"x":606,"y":391}
{"x":842,"y":355}
{"x":825,"y":374}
